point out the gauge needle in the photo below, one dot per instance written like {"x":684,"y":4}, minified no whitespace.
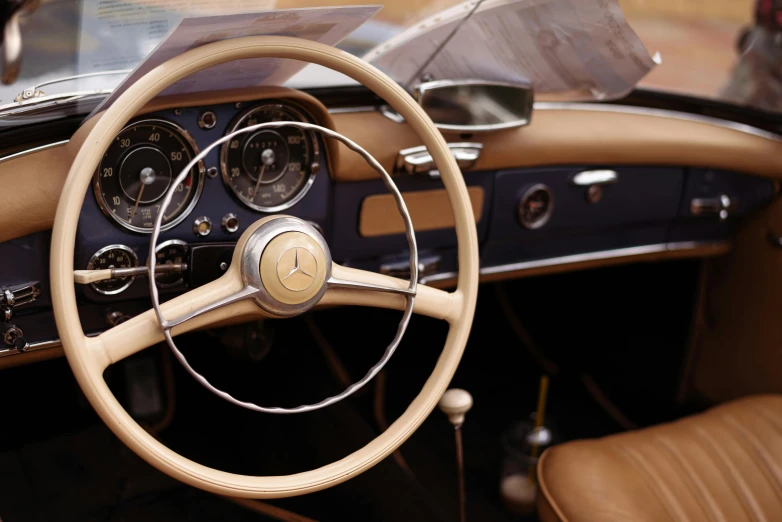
{"x":258,"y":183}
{"x":138,"y":200}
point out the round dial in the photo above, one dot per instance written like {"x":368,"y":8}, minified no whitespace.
{"x":173,"y":252}
{"x":113,"y":256}
{"x":536,"y":206}
{"x":138,"y":169}
{"x":270,"y":169}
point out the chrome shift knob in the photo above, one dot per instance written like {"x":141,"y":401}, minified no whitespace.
{"x":455,"y":403}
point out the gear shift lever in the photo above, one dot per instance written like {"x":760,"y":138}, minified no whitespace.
{"x":455,"y":403}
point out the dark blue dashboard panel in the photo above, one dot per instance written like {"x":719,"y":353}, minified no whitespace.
{"x":96,"y":230}
{"x":636,"y":210}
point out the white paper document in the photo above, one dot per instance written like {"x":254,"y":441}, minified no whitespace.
{"x":118,"y":34}
{"x":580,"y":49}
{"x":326,"y":25}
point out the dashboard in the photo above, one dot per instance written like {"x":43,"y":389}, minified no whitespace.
{"x":533,"y":214}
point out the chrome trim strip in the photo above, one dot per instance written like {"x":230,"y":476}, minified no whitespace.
{"x":31,"y":347}
{"x":443,"y":276}
{"x":34,"y":149}
{"x":602,"y":255}
{"x":347,"y":110}
{"x":660,"y":113}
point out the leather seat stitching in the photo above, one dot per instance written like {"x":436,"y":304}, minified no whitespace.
{"x":739,"y":486}
{"x":657,"y":486}
{"x":768,"y":468}
{"x":761,"y":412}
{"x":705,"y":499}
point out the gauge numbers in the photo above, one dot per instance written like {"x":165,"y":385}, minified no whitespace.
{"x":109,"y":257}
{"x":271,"y":169}
{"x":138,"y":169}
{"x":172,"y":252}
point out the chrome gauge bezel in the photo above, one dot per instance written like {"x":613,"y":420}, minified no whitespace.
{"x":160,"y":247}
{"x":314,"y":165}
{"x":199,"y":182}
{"x":96,"y":255}
{"x":543,"y":219}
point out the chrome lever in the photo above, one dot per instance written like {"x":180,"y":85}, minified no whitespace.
{"x":418,"y":160}
{"x":13,"y":296}
{"x":84,"y":277}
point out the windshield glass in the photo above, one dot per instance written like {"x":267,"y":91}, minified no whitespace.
{"x":700,"y":43}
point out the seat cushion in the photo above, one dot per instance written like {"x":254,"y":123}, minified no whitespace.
{"x":722,"y":465}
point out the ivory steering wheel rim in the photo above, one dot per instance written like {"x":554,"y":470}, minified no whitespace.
{"x":88,"y":357}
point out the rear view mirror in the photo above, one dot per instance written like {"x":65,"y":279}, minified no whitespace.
{"x":475,"y":105}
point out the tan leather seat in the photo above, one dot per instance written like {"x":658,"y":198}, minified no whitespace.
{"x":722,"y":465}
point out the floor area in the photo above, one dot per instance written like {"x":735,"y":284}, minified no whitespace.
{"x":60,"y":463}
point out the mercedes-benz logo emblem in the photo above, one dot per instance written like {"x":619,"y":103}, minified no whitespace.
{"x":297,"y":268}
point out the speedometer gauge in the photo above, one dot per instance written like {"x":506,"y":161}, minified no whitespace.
{"x":138,"y":169}
{"x":271,"y":169}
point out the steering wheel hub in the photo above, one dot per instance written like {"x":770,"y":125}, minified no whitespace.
{"x":293,"y":268}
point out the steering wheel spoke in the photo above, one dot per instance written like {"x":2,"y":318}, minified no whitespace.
{"x":224,"y":300}
{"x":351,"y":286}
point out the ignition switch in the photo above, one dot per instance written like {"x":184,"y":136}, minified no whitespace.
{"x":14,"y":336}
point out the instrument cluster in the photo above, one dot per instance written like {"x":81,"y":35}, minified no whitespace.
{"x":265,"y":171}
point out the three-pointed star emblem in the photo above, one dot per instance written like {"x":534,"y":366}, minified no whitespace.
{"x":297,"y":268}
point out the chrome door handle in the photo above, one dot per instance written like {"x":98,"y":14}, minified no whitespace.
{"x":718,"y":207}
{"x":589,"y":178}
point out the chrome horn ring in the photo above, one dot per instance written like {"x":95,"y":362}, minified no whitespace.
{"x":259,"y":293}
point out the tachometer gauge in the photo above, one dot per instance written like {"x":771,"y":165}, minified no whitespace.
{"x":138,"y":169}
{"x":113,"y":256}
{"x":271,"y":169}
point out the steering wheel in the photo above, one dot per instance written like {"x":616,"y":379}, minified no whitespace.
{"x":261,"y":257}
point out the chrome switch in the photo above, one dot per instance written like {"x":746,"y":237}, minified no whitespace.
{"x":721,"y":206}
{"x":13,"y":296}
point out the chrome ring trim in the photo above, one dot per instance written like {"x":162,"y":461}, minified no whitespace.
{"x":314,"y":163}
{"x":102,"y":251}
{"x":252,"y":277}
{"x":660,"y":113}
{"x":163,"y":245}
{"x":524,"y":198}
{"x":199,"y":182}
